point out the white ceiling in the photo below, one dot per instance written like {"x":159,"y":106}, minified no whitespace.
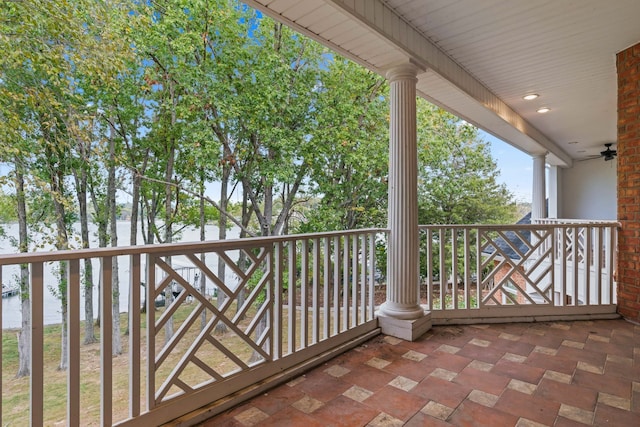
{"x":481,"y":57}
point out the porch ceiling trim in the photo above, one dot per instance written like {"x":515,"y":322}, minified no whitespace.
{"x":370,"y":33}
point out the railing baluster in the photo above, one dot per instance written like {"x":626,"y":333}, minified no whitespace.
{"x":291,"y":293}
{"x":429,"y":291}
{"x":442,"y":272}
{"x":270,"y":292}
{"x":278,"y":311}
{"x":304,"y":300}
{"x":336,"y":285}
{"x":36,"y":379}
{"x":363,"y":278}
{"x":73,"y":342}
{"x":325,"y":291}
{"x":315,"y":296}
{"x":563,"y":261}
{"x":576,"y":262}
{"x":454,"y":267}
{"x":597,"y":263}
{"x":345,"y":283}
{"x":134,"y":336}
{"x":354,"y":281}
{"x":150,"y":296}
{"x":479,"y":269}
{"x":611,"y":256}
{"x":106,"y":344}
{"x":372,"y":275}
{"x":467,"y":269}
{"x":587,"y":264}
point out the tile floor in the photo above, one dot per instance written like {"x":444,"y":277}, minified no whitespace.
{"x":525,"y":374}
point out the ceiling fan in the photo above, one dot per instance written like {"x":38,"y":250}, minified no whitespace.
{"x":608,"y":154}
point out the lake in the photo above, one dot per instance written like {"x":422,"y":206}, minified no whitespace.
{"x":11,"y":316}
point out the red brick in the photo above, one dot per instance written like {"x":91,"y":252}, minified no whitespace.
{"x":535,"y":408}
{"x":628,"y":66}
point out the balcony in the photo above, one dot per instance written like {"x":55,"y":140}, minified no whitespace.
{"x":299,"y":301}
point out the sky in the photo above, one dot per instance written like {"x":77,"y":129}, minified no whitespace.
{"x":515,"y":166}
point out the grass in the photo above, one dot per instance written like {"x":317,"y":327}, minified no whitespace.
{"x":15,"y":397}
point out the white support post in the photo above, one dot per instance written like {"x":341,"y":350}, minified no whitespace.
{"x":555,"y":185}
{"x":538,"y":208}
{"x":401,"y":315}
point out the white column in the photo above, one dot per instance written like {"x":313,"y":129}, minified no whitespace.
{"x":402,"y":256}
{"x":554,"y":191}
{"x":538,"y":209}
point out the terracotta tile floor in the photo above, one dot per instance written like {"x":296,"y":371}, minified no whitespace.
{"x":525,"y":374}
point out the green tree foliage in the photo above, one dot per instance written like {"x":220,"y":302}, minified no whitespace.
{"x":457,"y":175}
{"x":8,"y":211}
{"x":350,"y":170}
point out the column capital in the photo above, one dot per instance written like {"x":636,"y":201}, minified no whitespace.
{"x":404,"y":71}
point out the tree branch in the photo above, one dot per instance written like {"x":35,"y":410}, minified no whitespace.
{"x":195,"y":194}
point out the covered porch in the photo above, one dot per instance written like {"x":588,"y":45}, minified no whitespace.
{"x":313,"y":297}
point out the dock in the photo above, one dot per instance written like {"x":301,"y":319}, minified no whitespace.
{"x":9,"y":291}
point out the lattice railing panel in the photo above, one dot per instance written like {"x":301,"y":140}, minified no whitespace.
{"x":201,"y":338}
{"x":544,"y":266}
{"x":516,"y":267}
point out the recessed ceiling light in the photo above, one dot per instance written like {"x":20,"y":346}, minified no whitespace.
{"x":543,"y":110}
{"x":530,"y":96}
{"x":572,"y":142}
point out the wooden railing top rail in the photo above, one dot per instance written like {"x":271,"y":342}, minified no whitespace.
{"x":575,"y":221}
{"x":173,"y":248}
{"x":512,"y":227}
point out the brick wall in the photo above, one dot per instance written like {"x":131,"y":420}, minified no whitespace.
{"x":628,"y":273}
{"x":517,"y":278}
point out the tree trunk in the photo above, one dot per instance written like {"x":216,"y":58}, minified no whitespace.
{"x":266,"y":231}
{"x":24,"y":336}
{"x":242,"y":258}
{"x":202,"y":279}
{"x":221,"y":328}
{"x":168,"y":206}
{"x":133,"y":235}
{"x":81,"y":193}
{"x":101,"y":218}
{"x":62,"y":243}
{"x":115,"y":281}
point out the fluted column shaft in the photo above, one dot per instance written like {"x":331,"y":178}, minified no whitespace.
{"x":538,"y":208}
{"x":402,"y":256}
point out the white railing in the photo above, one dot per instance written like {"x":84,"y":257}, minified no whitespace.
{"x":558,"y":269}
{"x":294,"y":297}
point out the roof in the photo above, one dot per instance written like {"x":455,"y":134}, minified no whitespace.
{"x":513,"y":242}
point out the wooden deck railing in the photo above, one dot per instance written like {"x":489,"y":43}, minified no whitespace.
{"x":553,"y":269}
{"x":291,"y":299}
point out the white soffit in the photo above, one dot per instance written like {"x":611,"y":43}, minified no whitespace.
{"x":483,"y":56}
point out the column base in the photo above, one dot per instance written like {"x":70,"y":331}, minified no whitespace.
{"x":405,"y":329}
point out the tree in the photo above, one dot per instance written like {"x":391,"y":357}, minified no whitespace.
{"x":350,"y":173}
{"x":55,"y":52}
{"x":457,"y":175}
{"x":457,"y":179}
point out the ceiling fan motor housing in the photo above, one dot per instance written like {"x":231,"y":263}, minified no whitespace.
{"x":608,"y":154}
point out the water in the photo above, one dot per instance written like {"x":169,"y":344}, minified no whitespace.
{"x":11,"y":315}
